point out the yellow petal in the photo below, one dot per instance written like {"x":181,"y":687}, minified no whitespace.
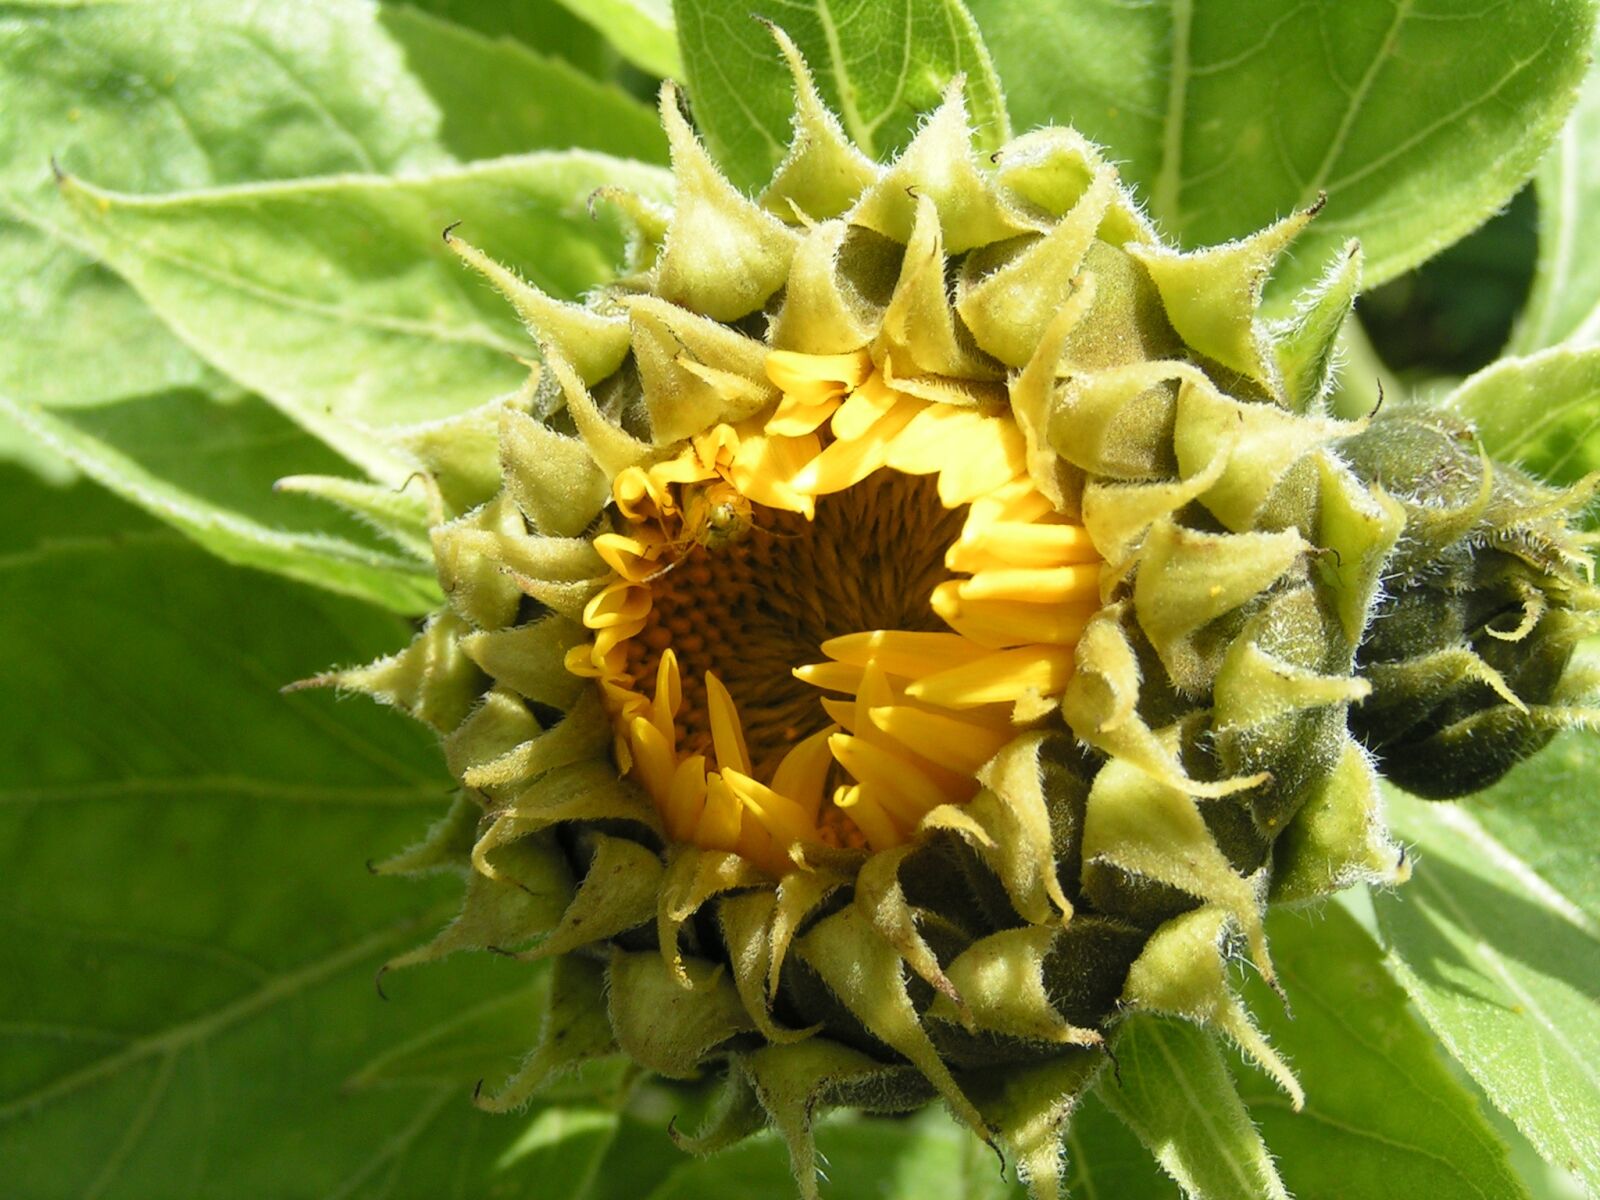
{"x":1005,"y":675}
{"x":1038,"y":585}
{"x":796,"y":418}
{"x":869,"y":817}
{"x":718,"y":826}
{"x":727,"y":732}
{"x":999,"y":624}
{"x":795,"y":372}
{"x":633,"y":492}
{"x":830,"y":676}
{"x":846,"y":463}
{"x":906,"y":791}
{"x":619,"y":603}
{"x":652,"y":759}
{"x":843,"y":712}
{"x":863,"y":409}
{"x":755,"y":842}
{"x":1020,"y":543}
{"x":996,"y":455}
{"x":874,"y":691}
{"x":686,"y":798}
{"x":1018,"y":501}
{"x":783,"y":817}
{"x":901,"y":652}
{"x":950,"y":742}
{"x":633,"y":558}
{"x":803,"y":773}
{"x":765,"y":467}
{"x":668,"y":697}
{"x":929,"y":443}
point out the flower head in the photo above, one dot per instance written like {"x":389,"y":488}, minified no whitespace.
{"x":826,"y":618}
{"x":913,"y":619}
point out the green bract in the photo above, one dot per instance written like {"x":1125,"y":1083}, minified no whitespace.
{"x":1289,"y":603}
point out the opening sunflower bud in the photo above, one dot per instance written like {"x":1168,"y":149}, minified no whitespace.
{"x":825,"y":619}
{"x":915,"y":618}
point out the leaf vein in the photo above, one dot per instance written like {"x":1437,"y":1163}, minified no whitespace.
{"x":180,"y":1037}
{"x":1358,"y":98}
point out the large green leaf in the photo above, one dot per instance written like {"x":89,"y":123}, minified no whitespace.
{"x":71,"y":331}
{"x":545,"y":25}
{"x":1384,"y":1116}
{"x":504,"y":97}
{"x":226,"y":467}
{"x":21,"y":448}
{"x":868,"y":1159}
{"x":1173,"y":1089}
{"x":1106,"y":1162}
{"x":1418,"y":118}
{"x":188,"y":934}
{"x":167,"y":94}
{"x":1544,"y":811}
{"x":641,"y":31}
{"x":1564,"y":306}
{"x":175,"y":94}
{"x":1507,"y":972}
{"x":337,"y":300}
{"x":1541,"y":412}
{"x":881,"y":65}
{"x":924,"y":1155}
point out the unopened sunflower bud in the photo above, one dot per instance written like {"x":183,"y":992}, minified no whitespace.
{"x":1485,"y":601}
{"x":927,"y":624}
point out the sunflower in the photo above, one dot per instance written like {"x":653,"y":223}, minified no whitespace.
{"x":826,"y":618}
{"x":915,"y":618}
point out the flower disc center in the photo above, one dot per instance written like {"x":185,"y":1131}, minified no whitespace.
{"x":757,"y":592}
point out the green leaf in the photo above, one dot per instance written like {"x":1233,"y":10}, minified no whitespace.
{"x":1106,"y":1162}
{"x":1507,"y":972}
{"x":1418,"y":118}
{"x":188,"y":935}
{"x":71,"y":331}
{"x":1541,"y":412}
{"x":178,"y":94}
{"x":172,"y":95}
{"x":868,"y":1159}
{"x":545,"y":25}
{"x":226,"y":465}
{"x":505,"y":97}
{"x":1384,"y":1116}
{"x":1564,"y":305}
{"x":1173,"y":1089}
{"x":880,"y":65}
{"x":337,"y":300}
{"x":1544,"y":812}
{"x":641,"y":31}
{"x":21,"y":448}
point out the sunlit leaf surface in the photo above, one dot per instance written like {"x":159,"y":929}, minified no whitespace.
{"x":1417,"y":118}
{"x":1506,"y":970}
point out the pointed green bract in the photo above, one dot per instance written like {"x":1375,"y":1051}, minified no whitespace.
{"x":1305,"y":346}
